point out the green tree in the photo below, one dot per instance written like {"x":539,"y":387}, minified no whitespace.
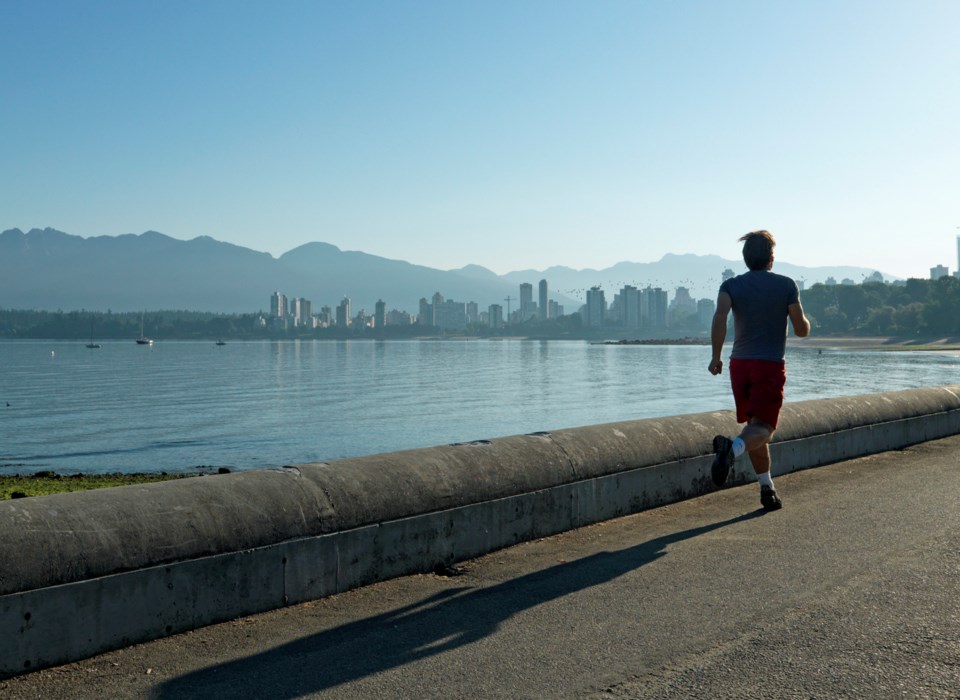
{"x":941,"y":312}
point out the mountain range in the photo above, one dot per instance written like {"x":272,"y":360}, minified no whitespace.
{"x":49,"y":270}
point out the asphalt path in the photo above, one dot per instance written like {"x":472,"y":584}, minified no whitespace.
{"x":851,"y":591}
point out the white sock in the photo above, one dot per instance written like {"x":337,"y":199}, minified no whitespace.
{"x":739,"y":447}
{"x":766,"y":480}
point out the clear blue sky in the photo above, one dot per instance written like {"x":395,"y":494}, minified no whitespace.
{"x":511,"y":134}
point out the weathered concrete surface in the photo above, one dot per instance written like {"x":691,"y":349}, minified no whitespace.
{"x":851,"y":591}
{"x":139,"y":562}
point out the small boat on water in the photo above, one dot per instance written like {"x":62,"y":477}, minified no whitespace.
{"x":92,"y":345}
{"x":143,"y":340}
{"x":221,"y":342}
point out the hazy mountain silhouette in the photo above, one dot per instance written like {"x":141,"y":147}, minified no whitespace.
{"x":49,"y":269}
{"x":331,"y":273}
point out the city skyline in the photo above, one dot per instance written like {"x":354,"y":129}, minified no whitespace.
{"x":514,"y":136}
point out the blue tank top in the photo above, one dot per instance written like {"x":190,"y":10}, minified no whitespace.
{"x":760,"y":300}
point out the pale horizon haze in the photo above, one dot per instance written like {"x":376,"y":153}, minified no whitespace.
{"x":513,"y":135}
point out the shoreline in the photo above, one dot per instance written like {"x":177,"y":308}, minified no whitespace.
{"x":882,"y":343}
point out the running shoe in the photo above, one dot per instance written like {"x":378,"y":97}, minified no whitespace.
{"x":723,"y":459}
{"x":769,"y":498}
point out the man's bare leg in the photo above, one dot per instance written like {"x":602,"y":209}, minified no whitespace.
{"x":756,"y":436}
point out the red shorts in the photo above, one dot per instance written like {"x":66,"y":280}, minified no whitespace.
{"x":758,"y":389}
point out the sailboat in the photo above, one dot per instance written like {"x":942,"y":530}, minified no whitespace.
{"x":92,"y":345}
{"x":143,"y":340}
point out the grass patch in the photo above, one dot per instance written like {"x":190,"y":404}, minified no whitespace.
{"x":45,"y":483}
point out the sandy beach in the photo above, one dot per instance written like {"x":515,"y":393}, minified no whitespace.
{"x":949,"y":346}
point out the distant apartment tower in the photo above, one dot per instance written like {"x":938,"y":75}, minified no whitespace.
{"x":473,"y":312}
{"x":435,"y":303}
{"x":958,"y":256}
{"x":596,"y":307}
{"x":295,"y":311}
{"x":938,"y":272}
{"x":398,"y":318}
{"x":425,"y":315}
{"x":495,"y":316}
{"x":343,"y":313}
{"x":653,"y":308}
{"x":527,"y":308}
{"x":705,"y":310}
{"x":683,"y":304}
{"x":544,"y":305}
{"x":658,"y":307}
{"x":300,"y":312}
{"x":451,"y":315}
{"x":278,"y":305}
{"x":630,"y":307}
{"x":380,"y":314}
{"x":556,"y":310}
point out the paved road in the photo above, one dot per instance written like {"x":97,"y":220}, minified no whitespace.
{"x":851,"y":591}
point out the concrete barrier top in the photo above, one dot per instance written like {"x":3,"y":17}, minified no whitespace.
{"x":70,"y":537}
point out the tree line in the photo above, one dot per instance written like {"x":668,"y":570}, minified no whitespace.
{"x":203,"y":325}
{"x":916,"y":308}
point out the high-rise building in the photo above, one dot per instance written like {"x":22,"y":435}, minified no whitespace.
{"x":556,"y":310}
{"x":343,"y":313}
{"x":938,"y":272}
{"x":544,"y":306}
{"x":596,"y":307}
{"x":653,"y":308}
{"x":473,"y":312}
{"x":683,"y":305}
{"x":395,"y":317}
{"x":495,"y":315}
{"x":658,"y":307}
{"x":705,"y":310}
{"x":380,"y":314}
{"x":278,"y":305}
{"x":450,"y":315}
{"x":526,"y":301}
{"x":630,"y":306}
{"x":425,"y":317}
{"x":300,"y":312}
{"x":435,"y":309}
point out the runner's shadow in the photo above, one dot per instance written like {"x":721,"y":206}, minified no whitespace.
{"x":439,"y":623}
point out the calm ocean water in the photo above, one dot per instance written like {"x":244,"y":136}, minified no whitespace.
{"x":180,"y":405}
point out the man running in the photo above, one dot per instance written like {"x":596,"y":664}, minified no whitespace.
{"x":761,"y":302}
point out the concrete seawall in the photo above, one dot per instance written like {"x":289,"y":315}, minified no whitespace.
{"x":85,"y":572}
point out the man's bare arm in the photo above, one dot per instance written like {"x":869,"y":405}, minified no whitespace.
{"x":718,"y":331}
{"x":801,"y":325}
